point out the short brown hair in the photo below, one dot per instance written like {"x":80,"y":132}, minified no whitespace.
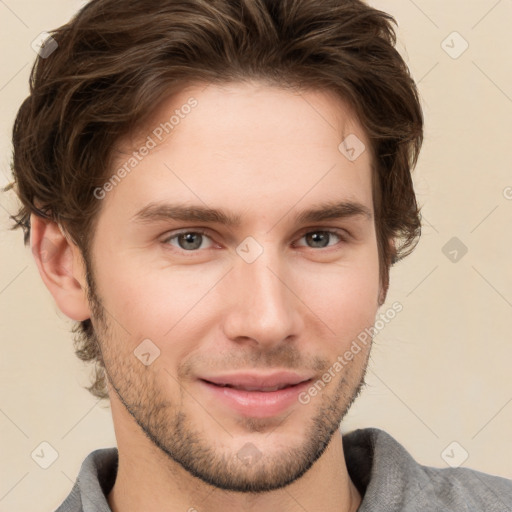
{"x":116,"y":59}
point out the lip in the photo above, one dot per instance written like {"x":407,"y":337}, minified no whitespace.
{"x":256,"y":404}
{"x":258,"y":380}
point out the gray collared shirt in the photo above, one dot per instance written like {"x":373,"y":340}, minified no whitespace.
{"x":387,"y":477}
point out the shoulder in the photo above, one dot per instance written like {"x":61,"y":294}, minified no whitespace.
{"x":94,"y":482}
{"x":468,"y":489}
{"x":389,"y":478}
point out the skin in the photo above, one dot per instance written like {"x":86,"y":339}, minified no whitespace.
{"x":265,"y":154}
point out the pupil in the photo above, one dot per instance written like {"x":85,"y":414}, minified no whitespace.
{"x":188,"y":238}
{"x":319,"y":238}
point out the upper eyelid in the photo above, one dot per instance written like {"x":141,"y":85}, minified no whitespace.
{"x":336,"y":231}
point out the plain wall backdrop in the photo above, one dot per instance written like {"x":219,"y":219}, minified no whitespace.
{"x":440,"y":371}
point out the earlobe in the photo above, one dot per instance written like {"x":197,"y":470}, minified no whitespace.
{"x":60,"y":265}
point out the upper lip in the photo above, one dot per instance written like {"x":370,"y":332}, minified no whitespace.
{"x":258,"y":380}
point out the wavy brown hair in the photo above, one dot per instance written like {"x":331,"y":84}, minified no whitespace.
{"x":117,"y":59}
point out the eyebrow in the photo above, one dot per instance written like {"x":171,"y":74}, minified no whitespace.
{"x":154,"y":212}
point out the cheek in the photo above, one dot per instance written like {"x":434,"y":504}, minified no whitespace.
{"x":344,"y":297}
{"x":155,"y":302}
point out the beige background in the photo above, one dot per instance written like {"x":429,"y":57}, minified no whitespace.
{"x":440,"y":372}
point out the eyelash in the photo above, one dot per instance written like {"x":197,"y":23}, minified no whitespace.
{"x":342,"y":235}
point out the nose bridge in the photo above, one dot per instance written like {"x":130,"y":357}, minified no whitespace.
{"x":263,"y":308}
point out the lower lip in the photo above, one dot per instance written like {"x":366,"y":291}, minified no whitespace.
{"x":257,"y":404}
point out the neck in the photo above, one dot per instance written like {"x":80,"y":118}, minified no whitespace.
{"x":149,"y":480}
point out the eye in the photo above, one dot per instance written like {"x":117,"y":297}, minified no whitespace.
{"x":320,"y":239}
{"x":188,"y":240}
{"x":192,"y":241}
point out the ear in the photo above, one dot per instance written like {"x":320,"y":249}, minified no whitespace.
{"x":61,"y":267}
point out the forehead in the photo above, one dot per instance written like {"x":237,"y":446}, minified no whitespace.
{"x":248,"y":145}
{"x":250,"y":110}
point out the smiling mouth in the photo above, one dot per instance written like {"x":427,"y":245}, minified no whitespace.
{"x":251,"y":399}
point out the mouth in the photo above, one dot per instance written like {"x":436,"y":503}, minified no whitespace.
{"x":254,"y":401}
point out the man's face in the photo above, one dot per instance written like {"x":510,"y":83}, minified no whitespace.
{"x":272,"y":293}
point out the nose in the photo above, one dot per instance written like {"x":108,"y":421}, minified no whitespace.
{"x":262,"y":307}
